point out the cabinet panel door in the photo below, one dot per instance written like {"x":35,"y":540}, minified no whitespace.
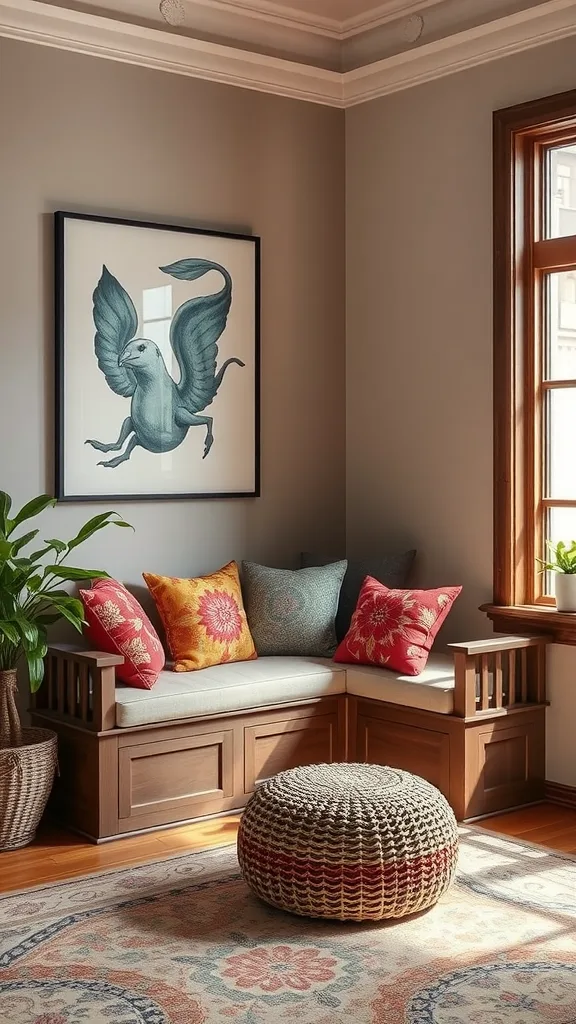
{"x":173,"y":779}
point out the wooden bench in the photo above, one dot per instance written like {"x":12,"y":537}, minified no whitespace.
{"x":484,"y":749}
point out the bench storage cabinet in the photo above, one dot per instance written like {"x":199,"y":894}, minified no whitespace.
{"x":199,"y":743}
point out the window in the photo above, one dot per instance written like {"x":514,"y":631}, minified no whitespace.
{"x":562,"y":193}
{"x":534,"y":357}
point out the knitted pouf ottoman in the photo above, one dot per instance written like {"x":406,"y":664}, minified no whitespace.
{"x":350,"y":841}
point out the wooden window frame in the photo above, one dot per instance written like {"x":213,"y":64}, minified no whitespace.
{"x":521,"y":254}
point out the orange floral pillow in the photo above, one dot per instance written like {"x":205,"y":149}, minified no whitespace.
{"x":204,"y":618}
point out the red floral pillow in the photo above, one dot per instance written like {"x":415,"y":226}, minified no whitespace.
{"x":117,"y":624}
{"x":395,"y":628}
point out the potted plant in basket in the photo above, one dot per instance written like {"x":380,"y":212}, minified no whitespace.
{"x":563,"y":565}
{"x":31,"y":599}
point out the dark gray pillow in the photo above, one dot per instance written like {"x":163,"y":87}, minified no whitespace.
{"x":391,"y":570}
{"x":293,"y":611}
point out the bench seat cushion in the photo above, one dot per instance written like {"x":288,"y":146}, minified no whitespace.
{"x":229,"y":687}
{"x":432,"y":690}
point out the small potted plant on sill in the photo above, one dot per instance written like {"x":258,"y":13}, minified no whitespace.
{"x":31,"y":599}
{"x":563,"y":565}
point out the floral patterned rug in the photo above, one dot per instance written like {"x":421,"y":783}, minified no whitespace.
{"x":182,"y":941}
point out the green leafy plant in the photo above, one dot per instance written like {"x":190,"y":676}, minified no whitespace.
{"x":31,"y":593}
{"x":563,"y":558}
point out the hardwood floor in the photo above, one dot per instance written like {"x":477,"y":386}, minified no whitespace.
{"x":57,"y":855}
{"x":546,"y":824}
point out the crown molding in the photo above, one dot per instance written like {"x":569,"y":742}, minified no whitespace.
{"x":241,"y":24}
{"x":284,"y":16}
{"x":390,"y":11}
{"x":67,"y":29}
{"x":545,"y":23}
{"x":281,"y":15}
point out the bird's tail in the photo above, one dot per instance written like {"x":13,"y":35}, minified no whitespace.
{"x":192,"y":269}
{"x":222,"y":371}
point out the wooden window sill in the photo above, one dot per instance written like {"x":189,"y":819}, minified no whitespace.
{"x":560,"y":627}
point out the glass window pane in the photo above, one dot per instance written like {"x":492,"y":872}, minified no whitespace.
{"x":560,"y":325}
{"x":560,"y":444}
{"x":560,"y":525}
{"x":561,"y":192}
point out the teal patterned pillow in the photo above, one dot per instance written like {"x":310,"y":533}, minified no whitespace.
{"x":293,"y":611}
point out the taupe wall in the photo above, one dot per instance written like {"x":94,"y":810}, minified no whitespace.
{"x":419,"y":335}
{"x":86,"y":134}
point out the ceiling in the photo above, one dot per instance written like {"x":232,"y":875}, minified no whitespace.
{"x":336,"y":52}
{"x":335,"y":10}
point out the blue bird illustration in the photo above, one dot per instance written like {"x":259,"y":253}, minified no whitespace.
{"x":161,"y":410}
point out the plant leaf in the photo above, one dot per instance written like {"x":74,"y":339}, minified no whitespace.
{"x":28,"y":631}
{"x":24,"y":563}
{"x":35,"y":661}
{"x":56,"y":545}
{"x":21,"y":542}
{"x":564,"y":558}
{"x":71,"y":602}
{"x":48,"y":618}
{"x":50,"y":546}
{"x":71,"y":574}
{"x":31,"y":509}
{"x":8,"y":629}
{"x":99,"y":522}
{"x":6,"y":548}
{"x":71,"y":608}
{"x":5,"y":506}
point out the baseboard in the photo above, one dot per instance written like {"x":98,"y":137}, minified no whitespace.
{"x":556,"y":793}
{"x":152,"y":830}
{"x":504,"y":810}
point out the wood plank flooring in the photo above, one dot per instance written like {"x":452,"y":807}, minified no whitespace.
{"x":57,"y":855}
{"x":546,"y":824}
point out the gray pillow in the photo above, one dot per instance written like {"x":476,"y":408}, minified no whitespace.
{"x":293,"y":611}
{"x":391,"y":570}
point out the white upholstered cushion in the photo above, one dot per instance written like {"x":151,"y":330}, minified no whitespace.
{"x":231,"y":687}
{"x":432,"y":690}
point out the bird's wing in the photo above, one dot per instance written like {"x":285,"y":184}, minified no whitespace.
{"x":194,"y":333}
{"x":116,"y":323}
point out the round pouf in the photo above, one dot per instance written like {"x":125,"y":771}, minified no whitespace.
{"x":357,"y":842}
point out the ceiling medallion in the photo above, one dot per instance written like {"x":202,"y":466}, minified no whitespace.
{"x":412,"y":28}
{"x":172,"y":11}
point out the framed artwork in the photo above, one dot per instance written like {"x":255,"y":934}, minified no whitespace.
{"x":157,"y":361}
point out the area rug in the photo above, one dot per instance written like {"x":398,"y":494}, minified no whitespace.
{"x":182,"y":941}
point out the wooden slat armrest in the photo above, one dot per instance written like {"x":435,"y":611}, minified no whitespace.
{"x":81,"y":686}
{"x":97,"y":659}
{"x":497,"y":674}
{"x":498,"y":643}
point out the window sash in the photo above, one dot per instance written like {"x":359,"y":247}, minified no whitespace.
{"x":523,"y":137}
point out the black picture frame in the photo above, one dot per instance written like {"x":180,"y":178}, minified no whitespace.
{"x":110,"y":304}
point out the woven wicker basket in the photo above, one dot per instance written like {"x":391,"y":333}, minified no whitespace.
{"x":28,"y":760}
